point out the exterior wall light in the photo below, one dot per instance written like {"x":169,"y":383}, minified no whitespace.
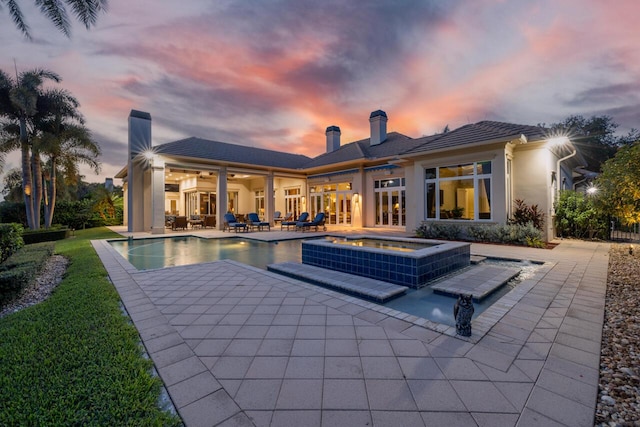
{"x":356,"y":197}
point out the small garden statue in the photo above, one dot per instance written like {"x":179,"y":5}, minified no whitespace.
{"x":462,"y":312}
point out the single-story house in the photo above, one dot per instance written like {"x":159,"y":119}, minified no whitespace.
{"x":471,"y":174}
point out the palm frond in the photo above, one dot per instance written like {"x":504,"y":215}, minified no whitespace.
{"x":57,"y":13}
{"x":17,"y":17}
{"x":87,"y":10}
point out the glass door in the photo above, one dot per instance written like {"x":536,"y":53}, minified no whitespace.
{"x":390,"y":203}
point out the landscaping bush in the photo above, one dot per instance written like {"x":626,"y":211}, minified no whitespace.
{"x":513,"y":234}
{"x":13,"y":212}
{"x":435,"y":230}
{"x":577,"y":216}
{"x":21,"y":268}
{"x":10,"y":240}
{"x":45,"y":235}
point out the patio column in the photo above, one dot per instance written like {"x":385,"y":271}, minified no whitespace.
{"x":157,"y":196}
{"x":221,"y":197}
{"x":268,"y":198}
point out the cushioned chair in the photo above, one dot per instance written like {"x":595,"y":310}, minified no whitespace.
{"x":304,"y":216}
{"x":230,"y":222}
{"x":254,"y":222}
{"x":209,"y":221}
{"x":318,"y":221}
{"x":180,"y":222}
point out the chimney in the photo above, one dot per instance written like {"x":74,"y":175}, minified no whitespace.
{"x":333,"y":138}
{"x":378,"y":122}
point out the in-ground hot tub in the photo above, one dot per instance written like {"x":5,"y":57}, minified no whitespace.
{"x":403,"y":261}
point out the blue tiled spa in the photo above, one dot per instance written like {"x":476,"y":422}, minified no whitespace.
{"x":403,"y":261}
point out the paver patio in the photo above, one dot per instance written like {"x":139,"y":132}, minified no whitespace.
{"x":236,"y":345}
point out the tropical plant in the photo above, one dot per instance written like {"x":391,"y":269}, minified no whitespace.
{"x":524,"y":214}
{"x":86,"y":11}
{"x":64,"y":141}
{"x":18,"y":106}
{"x":619,"y":185}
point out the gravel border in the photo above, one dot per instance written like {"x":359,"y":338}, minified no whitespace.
{"x":41,"y":288}
{"x":619,"y":386}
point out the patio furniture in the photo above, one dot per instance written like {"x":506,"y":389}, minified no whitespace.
{"x":230,"y":222}
{"x":195,"y":221}
{"x":254,"y":221}
{"x":277,"y":217}
{"x":168,"y":220}
{"x":304,"y":216}
{"x":180,"y":222}
{"x":318,"y":221}
{"x":209,"y":221}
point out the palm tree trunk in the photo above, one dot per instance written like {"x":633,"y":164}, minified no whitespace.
{"x":51,"y":199}
{"x":37,"y":182}
{"x":26,"y":173}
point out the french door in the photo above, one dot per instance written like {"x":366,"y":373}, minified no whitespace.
{"x":390,"y":203}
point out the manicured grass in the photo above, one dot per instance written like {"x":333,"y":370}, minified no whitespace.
{"x":74,"y":359}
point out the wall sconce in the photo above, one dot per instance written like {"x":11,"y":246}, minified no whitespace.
{"x":304,"y":199}
{"x":356,"y":197}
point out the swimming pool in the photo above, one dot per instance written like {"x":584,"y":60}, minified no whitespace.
{"x":147,"y":254}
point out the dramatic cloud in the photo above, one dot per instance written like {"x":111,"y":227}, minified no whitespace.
{"x":276,"y":73}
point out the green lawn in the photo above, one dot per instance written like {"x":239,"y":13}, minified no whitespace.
{"x":74,"y":359}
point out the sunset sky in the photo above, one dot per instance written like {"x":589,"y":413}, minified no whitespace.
{"x":275,"y":74}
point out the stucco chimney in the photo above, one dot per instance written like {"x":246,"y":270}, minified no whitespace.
{"x":333,"y":138}
{"x":378,"y":122}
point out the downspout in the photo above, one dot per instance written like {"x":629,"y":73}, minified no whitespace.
{"x":558,"y":180}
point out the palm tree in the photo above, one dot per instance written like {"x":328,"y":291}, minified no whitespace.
{"x":18,"y":106}
{"x":63,"y":141}
{"x":86,"y":11}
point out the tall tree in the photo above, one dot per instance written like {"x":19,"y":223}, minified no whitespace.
{"x":595,"y":137}
{"x":619,"y":185}
{"x":63,"y":141}
{"x":85,"y":11}
{"x":18,"y":106}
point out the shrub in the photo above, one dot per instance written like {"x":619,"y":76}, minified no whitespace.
{"x":45,"y":235}
{"x":10,"y":240}
{"x":13,"y":212}
{"x":21,"y":268}
{"x":576,"y":216}
{"x":479,"y":233}
{"x":524,"y":214}
{"x":435,"y":230}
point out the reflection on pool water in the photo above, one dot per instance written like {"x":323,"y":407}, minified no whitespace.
{"x":152,"y":253}
{"x":146,"y":254}
{"x":393,"y":245}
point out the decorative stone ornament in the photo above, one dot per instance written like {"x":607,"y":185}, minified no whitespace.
{"x":462,"y":312}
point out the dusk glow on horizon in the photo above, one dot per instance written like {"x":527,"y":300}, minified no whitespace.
{"x":275,"y":74}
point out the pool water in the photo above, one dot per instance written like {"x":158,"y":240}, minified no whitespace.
{"x":147,"y":254}
{"x":439,"y":308}
{"x":381,"y":244}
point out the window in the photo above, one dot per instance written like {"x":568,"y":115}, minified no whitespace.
{"x":259,"y":202}
{"x":460,"y":192}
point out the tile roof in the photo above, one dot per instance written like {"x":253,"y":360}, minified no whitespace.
{"x":233,"y":153}
{"x":476,"y":133}
{"x":395,"y":144}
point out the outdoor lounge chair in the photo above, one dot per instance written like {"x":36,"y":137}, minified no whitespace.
{"x":230,"y":222}
{"x":277,"y":216}
{"x":318,"y":221}
{"x":254,"y":221}
{"x":179,"y":222}
{"x":302,"y":218}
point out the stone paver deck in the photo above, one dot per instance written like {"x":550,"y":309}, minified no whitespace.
{"x":371,"y":289}
{"x":240,"y":346}
{"x":477,"y":280}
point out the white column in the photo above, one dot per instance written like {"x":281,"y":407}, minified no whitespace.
{"x":221,"y":197}
{"x":157,"y":196}
{"x":268,"y":198}
{"x":139,"y":142}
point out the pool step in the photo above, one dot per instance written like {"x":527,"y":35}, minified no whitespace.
{"x":477,"y":259}
{"x":372,"y":289}
{"x":478,"y":280}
